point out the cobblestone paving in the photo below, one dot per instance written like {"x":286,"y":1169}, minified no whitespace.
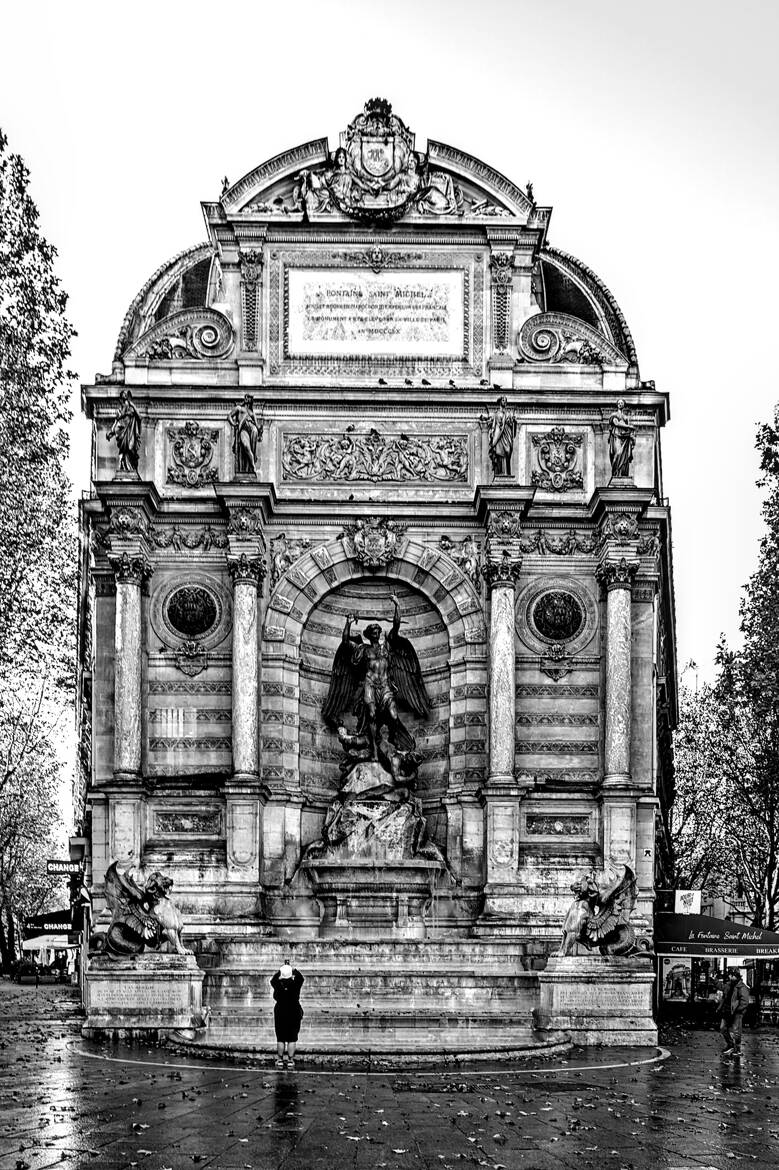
{"x":63,"y":1103}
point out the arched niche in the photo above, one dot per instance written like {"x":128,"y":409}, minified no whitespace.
{"x":290,"y":690}
{"x":370,"y":599}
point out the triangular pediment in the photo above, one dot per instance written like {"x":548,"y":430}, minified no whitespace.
{"x":376,"y":174}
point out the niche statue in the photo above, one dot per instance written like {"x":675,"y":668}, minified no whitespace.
{"x":622,"y":440}
{"x":369,"y":677}
{"x":247,"y":433}
{"x":501,"y":425}
{"x":375,"y":814}
{"x":126,"y":432}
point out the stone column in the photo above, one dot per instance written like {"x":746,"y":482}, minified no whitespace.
{"x":501,"y":794}
{"x":502,"y":579}
{"x":617,"y":576}
{"x":247,"y":573}
{"x":130,"y":573}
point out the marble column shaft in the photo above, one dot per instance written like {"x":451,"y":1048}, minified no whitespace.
{"x":618,"y":673}
{"x":128,"y":644}
{"x":245,"y":677}
{"x":502,"y":682}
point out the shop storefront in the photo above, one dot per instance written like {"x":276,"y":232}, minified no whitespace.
{"x":694,"y":953}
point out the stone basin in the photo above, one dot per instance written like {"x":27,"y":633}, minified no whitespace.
{"x":367,"y":898}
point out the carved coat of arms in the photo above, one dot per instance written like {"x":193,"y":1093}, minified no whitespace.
{"x":558,"y":456}
{"x":192,"y":450}
{"x":374,"y":542}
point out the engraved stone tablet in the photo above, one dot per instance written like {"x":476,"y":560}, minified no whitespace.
{"x":353,"y":313}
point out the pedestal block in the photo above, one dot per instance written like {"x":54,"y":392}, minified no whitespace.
{"x":361,"y":898}
{"x":150,"y":992}
{"x":597,"y":1000}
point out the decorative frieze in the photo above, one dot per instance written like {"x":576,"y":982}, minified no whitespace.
{"x":557,"y":825}
{"x":200,"y":824}
{"x":204,"y":537}
{"x":213,"y":743}
{"x":180,"y":687}
{"x":375,"y":458}
{"x":570,"y":543}
{"x":558,"y":747}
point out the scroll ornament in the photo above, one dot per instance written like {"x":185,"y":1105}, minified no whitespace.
{"x":190,"y":335}
{"x":558,"y":338}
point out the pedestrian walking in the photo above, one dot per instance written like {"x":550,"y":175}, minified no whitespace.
{"x":735,"y":1002}
{"x":287,"y":1012}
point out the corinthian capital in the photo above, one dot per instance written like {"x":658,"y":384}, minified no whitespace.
{"x":502,"y":568}
{"x":244,"y":569}
{"x":130,"y":570}
{"x":617,"y":574}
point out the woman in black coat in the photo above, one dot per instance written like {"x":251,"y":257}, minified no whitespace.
{"x":287,"y":1013}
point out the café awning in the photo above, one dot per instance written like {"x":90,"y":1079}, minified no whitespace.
{"x":703,"y":937}
{"x":50,"y":942}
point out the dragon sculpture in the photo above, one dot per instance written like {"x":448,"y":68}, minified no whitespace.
{"x":142,"y":917}
{"x":599,"y":916}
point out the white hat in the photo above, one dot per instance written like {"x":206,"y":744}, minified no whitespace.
{"x":285,"y":971}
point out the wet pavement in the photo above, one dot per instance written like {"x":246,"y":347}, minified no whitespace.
{"x":65,"y":1102}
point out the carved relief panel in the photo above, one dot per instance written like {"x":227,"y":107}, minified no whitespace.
{"x":381,"y":454}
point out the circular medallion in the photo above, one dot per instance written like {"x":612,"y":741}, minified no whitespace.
{"x":557,"y":615}
{"x":190,"y":606}
{"x":192,"y":611}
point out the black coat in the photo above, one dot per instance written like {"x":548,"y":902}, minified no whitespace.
{"x":287,"y":1012}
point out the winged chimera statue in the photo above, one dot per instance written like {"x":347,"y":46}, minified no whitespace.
{"x":599,"y":916}
{"x":142,"y":917}
{"x":369,"y":679}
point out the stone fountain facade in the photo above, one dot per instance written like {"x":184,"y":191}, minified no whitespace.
{"x":376,"y":377}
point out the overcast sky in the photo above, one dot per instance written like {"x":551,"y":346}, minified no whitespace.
{"x":651,"y":128}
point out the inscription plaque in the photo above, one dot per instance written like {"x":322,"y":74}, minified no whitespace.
{"x":353,"y":313}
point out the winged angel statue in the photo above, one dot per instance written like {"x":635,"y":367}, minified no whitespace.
{"x":142,"y":917}
{"x":599,"y":916}
{"x":370,"y":677}
{"x":374,"y":813}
